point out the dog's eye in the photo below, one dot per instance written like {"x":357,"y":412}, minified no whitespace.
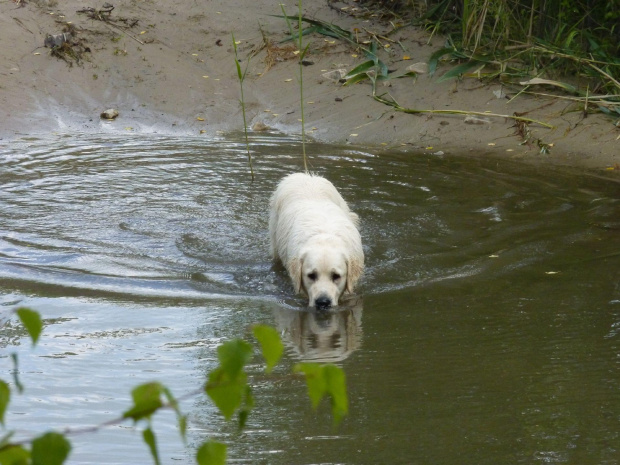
{"x":312,"y":276}
{"x":335,"y":276}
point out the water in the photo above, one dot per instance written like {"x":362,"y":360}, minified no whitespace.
{"x":486,"y":329}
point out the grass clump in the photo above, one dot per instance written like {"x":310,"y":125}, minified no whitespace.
{"x":572,"y":46}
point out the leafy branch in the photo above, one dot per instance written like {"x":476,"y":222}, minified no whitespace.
{"x":227,"y":386}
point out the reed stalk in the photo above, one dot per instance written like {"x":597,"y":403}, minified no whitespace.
{"x":241,"y":75}
{"x":302,"y":53}
{"x":392,"y":103}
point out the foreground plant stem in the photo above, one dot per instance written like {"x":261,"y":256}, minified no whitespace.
{"x":301,"y":90}
{"x":241,"y":75}
{"x":301,"y":54}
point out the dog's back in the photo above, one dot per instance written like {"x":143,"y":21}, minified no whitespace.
{"x":294,"y":193}
{"x":301,"y":186}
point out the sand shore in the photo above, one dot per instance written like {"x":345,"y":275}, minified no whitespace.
{"x":168,"y":67}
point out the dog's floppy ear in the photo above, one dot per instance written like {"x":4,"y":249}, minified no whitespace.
{"x":294,"y":270}
{"x":355,"y":267}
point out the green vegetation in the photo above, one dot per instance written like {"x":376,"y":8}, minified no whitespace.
{"x":241,"y":76}
{"x":301,"y":54}
{"x":227,"y":386}
{"x":571,"y":46}
{"x":550,"y":48}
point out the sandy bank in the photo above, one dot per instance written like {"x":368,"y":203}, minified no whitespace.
{"x":168,"y":67}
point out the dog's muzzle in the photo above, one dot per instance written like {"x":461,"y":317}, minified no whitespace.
{"x":323,"y":302}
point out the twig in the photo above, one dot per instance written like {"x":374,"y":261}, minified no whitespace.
{"x":115,"y":421}
{"x":397,"y":107}
{"x":598,"y":99}
{"x":241,"y":75}
{"x":123,"y":32}
{"x":571,"y":57}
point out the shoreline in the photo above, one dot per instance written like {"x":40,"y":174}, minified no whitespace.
{"x":173,"y":72}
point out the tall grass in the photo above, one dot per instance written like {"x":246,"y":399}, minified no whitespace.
{"x":241,"y":76}
{"x":578,"y":40}
{"x":533,"y":31}
{"x":302,"y":52}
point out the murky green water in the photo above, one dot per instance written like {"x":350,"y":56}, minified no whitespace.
{"x":486,"y":330}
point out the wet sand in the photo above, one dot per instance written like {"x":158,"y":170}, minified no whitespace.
{"x":168,"y":67}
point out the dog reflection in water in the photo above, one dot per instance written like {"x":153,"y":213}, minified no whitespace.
{"x":322,"y":336}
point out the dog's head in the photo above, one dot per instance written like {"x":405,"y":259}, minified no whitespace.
{"x":325,"y":271}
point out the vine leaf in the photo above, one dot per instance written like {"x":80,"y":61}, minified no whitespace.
{"x":227,"y":384}
{"x":14,"y":454}
{"x":31,"y":321}
{"x":50,"y":449}
{"x":211,"y":453}
{"x":270,"y":343}
{"x":151,"y":441}
{"x":147,"y":400}
{"x":5,"y":397}
{"x":326,"y":380}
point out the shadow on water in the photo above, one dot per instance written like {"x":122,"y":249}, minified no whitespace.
{"x":491,"y":301}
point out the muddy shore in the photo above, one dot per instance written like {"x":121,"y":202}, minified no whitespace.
{"x":168,"y":68}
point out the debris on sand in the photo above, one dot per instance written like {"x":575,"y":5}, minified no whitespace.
{"x":259,"y":126}
{"x":57,"y":40}
{"x":109,"y":114}
{"x":472,"y":119}
{"x":66,"y":45}
{"x":100,"y":14}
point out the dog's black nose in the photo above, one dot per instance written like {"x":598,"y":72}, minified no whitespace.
{"x":323,"y":303}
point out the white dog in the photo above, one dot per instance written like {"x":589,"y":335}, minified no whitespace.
{"x":315,"y":235}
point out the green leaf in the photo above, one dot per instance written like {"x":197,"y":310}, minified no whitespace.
{"x":372,"y":51}
{"x":18,"y":384}
{"x":225,"y":391}
{"x":248,"y":405}
{"x":239,"y":72}
{"x":50,"y":449}
{"x":330,"y":30}
{"x":337,"y":388}
{"x":302,"y":55}
{"x":363,"y":71}
{"x":360,"y":69}
{"x":383,"y":69}
{"x":147,"y":400}
{"x":306,"y":31}
{"x":234,"y":42}
{"x":460,"y":69}
{"x":14,"y":455}
{"x":270,"y":344}
{"x":211,"y":453}
{"x":151,"y":441}
{"x":234,"y":355}
{"x":227,"y":384}
{"x":31,"y":321}
{"x":183,"y":427}
{"x":357,"y":78}
{"x":538,"y":81}
{"x":433,"y":61}
{"x":5,"y":397}
{"x":314,"y":380}
{"x":326,"y":380}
